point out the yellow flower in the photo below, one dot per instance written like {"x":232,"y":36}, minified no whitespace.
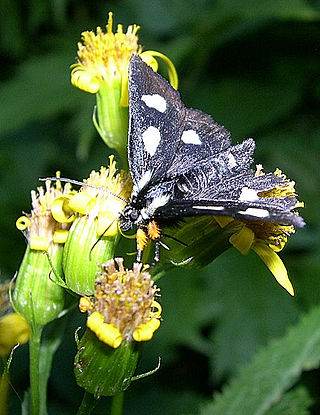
{"x":39,"y":227}
{"x":264,"y":238}
{"x":104,"y":57}
{"x":36,"y":296}
{"x":13,"y":330}
{"x":102,"y":69}
{"x":94,"y":233}
{"x":13,"y":327}
{"x":124,"y":306}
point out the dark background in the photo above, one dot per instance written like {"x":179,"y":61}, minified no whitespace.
{"x":253,"y":65}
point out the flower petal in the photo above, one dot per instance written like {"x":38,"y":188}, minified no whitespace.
{"x":242,"y":240}
{"x":275,"y":265}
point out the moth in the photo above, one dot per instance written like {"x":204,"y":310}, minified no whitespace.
{"x":182,"y":163}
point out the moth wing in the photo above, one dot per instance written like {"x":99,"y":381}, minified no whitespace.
{"x":246,"y":196}
{"x":202,"y":139}
{"x":156,"y":120}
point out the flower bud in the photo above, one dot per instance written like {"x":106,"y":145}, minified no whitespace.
{"x":122,"y":314}
{"x":102,"y":69}
{"x":94,"y":234}
{"x":36,"y":296}
{"x":103,"y":370}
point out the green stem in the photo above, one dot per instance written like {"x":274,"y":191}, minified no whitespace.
{"x":117,"y":404}
{"x":34,"y":348}
{"x":87,"y":405}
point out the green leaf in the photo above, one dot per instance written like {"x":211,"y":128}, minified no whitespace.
{"x":294,"y":402}
{"x":273,"y":371}
{"x":40,"y":90}
{"x":245,"y":307}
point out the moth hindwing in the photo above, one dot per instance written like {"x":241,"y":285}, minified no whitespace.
{"x":182,"y":162}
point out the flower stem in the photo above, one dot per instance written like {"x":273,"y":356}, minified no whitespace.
{"x":4,"y":393}
{"x":87,"y":405}
{"x":117,"y":404}
{"x":34,"y":348}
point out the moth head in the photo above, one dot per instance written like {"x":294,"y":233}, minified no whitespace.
{"x":128,"y":218}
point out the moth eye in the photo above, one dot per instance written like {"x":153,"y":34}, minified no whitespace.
{"x":134,"y":214}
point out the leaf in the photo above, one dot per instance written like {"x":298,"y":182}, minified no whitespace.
{"x":39,"y":91}
{"x":294,"y":402}
{"x":245,"y":307}
{"x":273,"y":371}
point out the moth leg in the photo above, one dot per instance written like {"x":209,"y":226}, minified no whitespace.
{"x":156,"y":257}
{"x":142,"y":240}
{"x":139,"y":256}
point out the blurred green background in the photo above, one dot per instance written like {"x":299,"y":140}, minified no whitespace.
{"x":254,"y":66}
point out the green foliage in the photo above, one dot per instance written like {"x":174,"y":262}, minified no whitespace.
{"x":254,"y":66}
{"x":295,"y":402}
{"x":273,"y":371}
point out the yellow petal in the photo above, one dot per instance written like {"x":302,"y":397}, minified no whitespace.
{"x":144,"y":332}
{"x":23,"y":223}
{"x":60,"y":236}
{"x":80,"y":202}
{"x":60,"y":209}
{"x":242,"y":240}
{"x":39,"y":243}
{"x":13,"y":330}
{"x":107,"y":224}
{"x":275,"y":265}
{"x":223,"y":221}
{"x":148,"y":57}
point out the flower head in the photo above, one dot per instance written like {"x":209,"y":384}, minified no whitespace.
{"x":36,"y":296}
{"x":104,"y":57}
{"x":265,"y":238}
{"x":39,"y":227}
{"x":94,"y":233}
{"x":124,"y":306}
{"x":102,"y":69}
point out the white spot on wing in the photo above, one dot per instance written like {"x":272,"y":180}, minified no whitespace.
{"x":209,"y":207}
{"x":190,"y":137}
{"x":258,"y":213}
{"x":145,"y":178}
{"x":249,"y":195}
{"x":231,"y":161}
{"x":151,"y":139}
{"x":156,"y":203}
{"x":155,"y":101}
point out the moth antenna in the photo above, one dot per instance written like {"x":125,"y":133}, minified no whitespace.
{"x":78,"y":183}
{"x":101,"y":236}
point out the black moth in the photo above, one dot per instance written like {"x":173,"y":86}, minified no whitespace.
{"x":182,"y":164}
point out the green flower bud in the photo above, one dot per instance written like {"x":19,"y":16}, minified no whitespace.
{"x":94,"y":234}
{"x":35,"y":296}
{"x":103,"y":370}
{"x":83,"y":250}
